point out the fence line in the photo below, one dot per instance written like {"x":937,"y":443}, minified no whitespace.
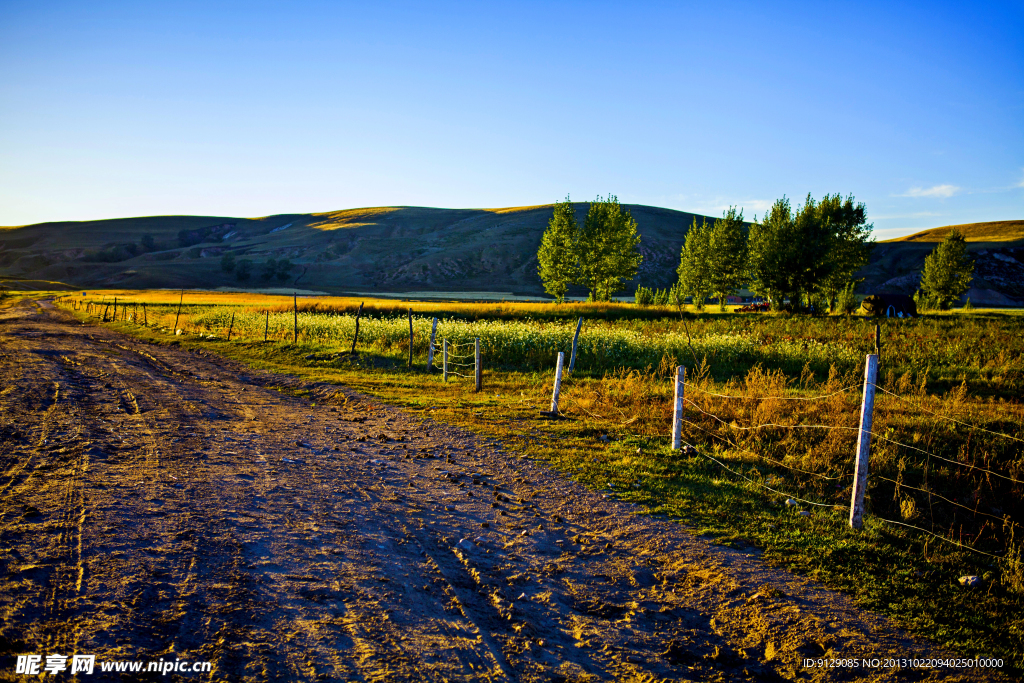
{"x":757,"y":483}
{"x":764,"y":457}
{"x":951,"y":419}
{"x":844,"y":428}
{"x":900,"y":485}
{"x":778,"y":398}
{"x":941,"y":538}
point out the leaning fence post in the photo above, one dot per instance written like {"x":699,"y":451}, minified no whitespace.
{"x":860,"y":472}
{"x":355,"y":337}
{"x":295,"y":311}
{"x":430,"y":349}
{"x":145,"y":316}
{"x":477,"y":368}
{"x":677,"y":415}
{"x":444,"y":362}
{"x":575,"y":340}
{"x":232,"y":325}
{"x":266,"y":325}
{"x":558,"y":383}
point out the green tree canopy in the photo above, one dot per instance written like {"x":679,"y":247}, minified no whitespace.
{"x":727,"y":252}
{"x":948,"y":270}
{"x":607,"y":249}
{"x":695,"y":279}
{"x":556,"y":258}
{"x":814,"y":251}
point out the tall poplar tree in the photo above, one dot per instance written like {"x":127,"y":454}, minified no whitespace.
{"x":608,"y":248}
{"x":556,"y":258}
{"x":727,"y":251}
{"x":695,"y":279}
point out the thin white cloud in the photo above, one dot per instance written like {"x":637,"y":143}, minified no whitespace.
{"x":714,"y":206}
{"x":943,"y":191}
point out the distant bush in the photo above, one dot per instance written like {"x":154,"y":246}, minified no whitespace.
{"x":847,"y":302}
{"x":644,"y":296}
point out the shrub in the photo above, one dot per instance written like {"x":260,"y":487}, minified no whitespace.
{"x":644,"y":296}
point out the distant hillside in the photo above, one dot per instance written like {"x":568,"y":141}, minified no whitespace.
{"x":997,"y":248}
{"x":384,"y":249}
{"x":402,"y":249}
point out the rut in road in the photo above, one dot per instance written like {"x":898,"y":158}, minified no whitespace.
{"x":160,"y":503}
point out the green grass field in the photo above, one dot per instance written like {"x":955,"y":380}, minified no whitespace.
{"x":946,"y":455}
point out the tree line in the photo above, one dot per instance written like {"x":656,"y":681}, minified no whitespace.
{"x":802,"y":259}
{"x":805,"y":257}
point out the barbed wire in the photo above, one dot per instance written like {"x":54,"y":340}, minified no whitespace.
{"x":941,"y":538}
{"x":765,"y":398}
{"x":766,"y":424}
{"x":764,"y":457}
{"x":764,"y":486}
{"x":945,"y":417}
{"x":844,"y":428}
{"x":900,"y":485}
{"x":939,"y":457}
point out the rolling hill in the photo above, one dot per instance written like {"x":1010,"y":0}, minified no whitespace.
{"x":407,"y":249}
{"x":383,"y":249}
{"x":997,"y":248}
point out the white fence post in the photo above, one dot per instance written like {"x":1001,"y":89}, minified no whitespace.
{"x":444,"y":371}
{"x":677,"y":415}
{"x":860,"y":473}
{"x":478,"y":369}
{"x":558,"y":383}
{"x":430,"y":349}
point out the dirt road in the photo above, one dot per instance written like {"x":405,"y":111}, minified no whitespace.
{"x":157,"y":503}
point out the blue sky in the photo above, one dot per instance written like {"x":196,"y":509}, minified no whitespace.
{"x":111,"y":109}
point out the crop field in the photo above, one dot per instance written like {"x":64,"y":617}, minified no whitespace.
{"x":771,"y":412}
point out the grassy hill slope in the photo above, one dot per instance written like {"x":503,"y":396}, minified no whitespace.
{"x":388,"y":249}
{"x":997,"y":248}
{"x":400,"y":249}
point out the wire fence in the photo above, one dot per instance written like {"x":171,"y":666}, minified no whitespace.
{"x":460,"y":359}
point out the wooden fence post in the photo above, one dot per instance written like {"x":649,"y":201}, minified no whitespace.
{"x":266,"y":326}
{"x":878,"y":340}
{"x":575,"y":341}
{"x":355,"y":337}
{"x":430,"y":349}
{"x":295,"y":311}
{"x":232,"y":325}
{"x":478,"y":369}
{"x":410,"y":337}
{"x":677,"y":415}
{"x":145,"y":315}
{"x":860,"y":472}
{"x":444,"y":362}
{"x":180,"y":299}
{"x":113,"y":318}
{"x":558,"y":383}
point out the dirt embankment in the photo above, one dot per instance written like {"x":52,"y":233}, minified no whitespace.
{"x":156,"y":503}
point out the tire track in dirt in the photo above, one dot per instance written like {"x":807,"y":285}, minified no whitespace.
{"x":222,"y":520}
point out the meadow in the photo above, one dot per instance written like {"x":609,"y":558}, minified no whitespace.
{"x":772,"y":408}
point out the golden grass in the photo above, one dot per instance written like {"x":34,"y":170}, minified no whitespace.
{"x":992,"y":231}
